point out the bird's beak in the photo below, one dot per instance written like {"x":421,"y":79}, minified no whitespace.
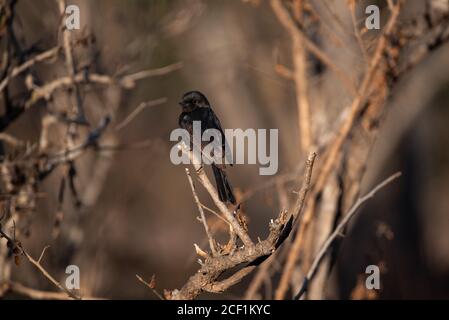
{"x":181,"y":103}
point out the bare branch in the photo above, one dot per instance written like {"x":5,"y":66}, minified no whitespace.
{"x":49,"y":276}
{"x":202,"y":177}
{"x":358,"y":36}
{"x":218,"y":287}
{"x":251,"y":256}
{"x":139,"y":109}
{"x":130,"y":80}
{"x":331,"y":156}
{"x":151,"y":286}
{"x":260,"y":276}
{"x":18,"y":246}
{"x":41,"y":295}
{"x":10,"y":139}
{"x":42,"y":254}
{"x":339,"y":229}
{"x":46,"y":55}
{"x":203,"y":217}
{"x":126,"y":82}
{"x":70,"y":63}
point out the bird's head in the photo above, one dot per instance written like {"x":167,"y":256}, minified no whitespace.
{"x":193,"y":100}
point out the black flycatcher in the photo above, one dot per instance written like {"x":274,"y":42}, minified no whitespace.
{"x":196,"y":107}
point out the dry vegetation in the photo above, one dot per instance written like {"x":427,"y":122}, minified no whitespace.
{"x":340,"y":106}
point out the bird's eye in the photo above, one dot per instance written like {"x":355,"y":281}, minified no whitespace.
{"x":195,"y":101}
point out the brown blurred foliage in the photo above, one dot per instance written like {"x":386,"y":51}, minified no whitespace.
{"x":107,"y":198}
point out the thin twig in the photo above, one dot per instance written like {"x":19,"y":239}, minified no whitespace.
{"x":331,"y":156}
{"x":338,"y":231}
{"x":202,"y":177}
{"x":16,"y":244}
{"x":49,"y":276}
{"x":142,"y":106}
{"x":126,"y":82}
{"x":46,"y":55}
{"x":150,"y":286}
{"x":42,"y":254}
{"x":215,"y":213}
{"x":221,"y":286}
{"x":10,"y":139}
{"x":70,"y":63}
{"x":130,"y":80}
{"x":203,"y":217}
{"x":40,"y":294}
{"x":90,"y":141}
{"x":357,"y":31}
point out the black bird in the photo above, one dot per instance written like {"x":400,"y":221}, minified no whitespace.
{"x":196,"y":107}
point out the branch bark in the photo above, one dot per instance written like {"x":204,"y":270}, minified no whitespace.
{"x":205,"y":279}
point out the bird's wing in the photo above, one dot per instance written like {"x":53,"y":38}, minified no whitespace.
{"x":227,"y":152}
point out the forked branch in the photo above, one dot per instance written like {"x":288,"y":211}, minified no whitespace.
{"x":247,"y":256}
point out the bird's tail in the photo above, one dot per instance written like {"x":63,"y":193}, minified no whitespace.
{"x":223,"y":187}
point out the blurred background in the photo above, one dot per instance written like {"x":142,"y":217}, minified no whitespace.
{"x":136,"y":213}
